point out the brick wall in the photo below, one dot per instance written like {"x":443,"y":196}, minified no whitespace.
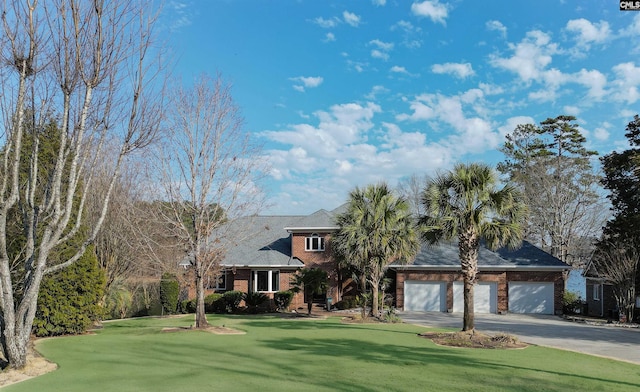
{"x":323,"y":260}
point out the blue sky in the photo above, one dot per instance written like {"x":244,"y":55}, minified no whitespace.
{"x":348,"y":93}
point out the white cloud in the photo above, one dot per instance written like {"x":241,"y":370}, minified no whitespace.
{"x":588,"y":32}
{"x":571,"y":110}
{"x":378,"y":54}
{"x":431,"y":9}
{"x":375,"y":90}
{"x":459,"y":70}
{"x":627,"y":83}
{"x":594,"y":80}
{"x":382,"y":49}
{"x":495,"y":25}
{"x":398,"y":69}
{"x":326,"y":23}
{"x":472,"y":133}
{"x":379,"y":2}
{"x":530,"y":56}
{"x":601,"y":133}
{"x":329,"y":37}
{"x":351,"y":18}
{"x":303,"y":82}
{"x":385,"y":46}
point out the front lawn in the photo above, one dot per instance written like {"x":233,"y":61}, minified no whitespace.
{"x":307,"y":355}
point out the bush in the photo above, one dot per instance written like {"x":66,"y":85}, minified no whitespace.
{"x":348,"y":302}
{"x":69,"y":300}
{"x":188,"y":306}
{"x":572,"y":303}
{"x":254,"y":300}
{"x":169,"y":292}
{"x":231,"y":300}
{"x":213,"y":303}
{"x":283,"y":300}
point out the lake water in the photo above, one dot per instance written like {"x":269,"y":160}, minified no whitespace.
{"x":576,"y":283}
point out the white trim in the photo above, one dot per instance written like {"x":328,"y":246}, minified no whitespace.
{"x":319,"y":229}
{"x":270,"y":288}
{"x":434,"y":267}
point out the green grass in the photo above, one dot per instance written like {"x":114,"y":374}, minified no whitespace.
{"x":307,"y":355}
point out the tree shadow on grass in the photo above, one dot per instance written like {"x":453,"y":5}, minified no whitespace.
{"x":351,"y":349}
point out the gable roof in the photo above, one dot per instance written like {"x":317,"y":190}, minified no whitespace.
{"x":259,"y":241}
{"x":444,"y":256}
{"x":265,"y":241}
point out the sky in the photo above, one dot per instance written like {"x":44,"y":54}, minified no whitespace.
{"x":349,"y":93}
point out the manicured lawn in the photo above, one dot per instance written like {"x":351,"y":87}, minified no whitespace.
{"x":307,"y":355}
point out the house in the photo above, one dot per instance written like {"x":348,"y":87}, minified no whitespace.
{"x":600,"y":298}
{"x":263,"y":253}
{"x":266,"y":251}
{"x":525,"y":280}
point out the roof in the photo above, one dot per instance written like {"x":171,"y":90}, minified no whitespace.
{"x":265,"y":241}
{"x":445,"y":256}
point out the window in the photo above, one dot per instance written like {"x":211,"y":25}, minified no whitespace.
{"x":596,"y":292}
{"x":315,"y":243}
{"x":268,"y":281}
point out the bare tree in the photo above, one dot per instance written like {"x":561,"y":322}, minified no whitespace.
{"x":210,"y":173}
{"x":87,"y":65}
{"x":617,"y":261}
{"x":411,"y":189}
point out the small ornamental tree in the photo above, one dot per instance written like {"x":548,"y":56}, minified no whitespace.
{"x":169,"y":292}
{"x":69,"y":300}
{"x":312,"y":281}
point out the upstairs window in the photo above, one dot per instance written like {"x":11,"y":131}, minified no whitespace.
{"x":315,"y":243}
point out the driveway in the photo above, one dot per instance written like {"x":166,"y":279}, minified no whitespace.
{"x":551,"y":331}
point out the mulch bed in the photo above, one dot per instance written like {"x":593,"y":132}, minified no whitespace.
{"x":473,"y":339}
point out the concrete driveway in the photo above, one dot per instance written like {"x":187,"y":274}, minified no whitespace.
{"x":551,"y":331}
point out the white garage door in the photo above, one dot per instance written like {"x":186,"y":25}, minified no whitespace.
{"x":425,"y":296}
{"x":527,"y":297}
{"x":485,"y":297}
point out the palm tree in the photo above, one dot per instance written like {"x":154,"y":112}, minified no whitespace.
{"x":465,"y":204}
{"x":376,"y":230}
{"x":313,"y":281}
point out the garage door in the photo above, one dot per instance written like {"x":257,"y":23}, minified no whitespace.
{"x":425,"y":296}
{"x":527,"y":297}
{"x":485,"y":297}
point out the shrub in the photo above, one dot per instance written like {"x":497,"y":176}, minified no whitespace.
{"x":232,"y":300}
{"x":213,"y":303}
{"x":348,"y":302}
{"x":169,"y":292}
{"x":119,"y":299}
{"x":283,"y":300}
{"x":390,"y":316}
{"x":254,"y":300}
{"x":188,"y":306}
{"x":571,"y":303}
{"x":69,"y":300}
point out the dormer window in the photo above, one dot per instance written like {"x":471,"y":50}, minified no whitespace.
{"x":314,"y":243}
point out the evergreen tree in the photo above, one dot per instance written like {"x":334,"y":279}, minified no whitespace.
{"x":552,"y":167}
{"x":69,"y":300}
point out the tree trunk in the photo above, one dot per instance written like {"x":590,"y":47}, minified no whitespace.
{"x":468,"y":245}
{"x":201,"y":317}
{"x":468,"y":322}
{"x":375,"y":309}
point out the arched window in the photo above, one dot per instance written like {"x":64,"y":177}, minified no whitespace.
{"x":314,"y":243}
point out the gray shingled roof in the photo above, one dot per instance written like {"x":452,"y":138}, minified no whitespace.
{"x":263,"y":241}
{"x":445,"y":255}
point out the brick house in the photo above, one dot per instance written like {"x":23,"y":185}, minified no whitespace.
{"x":525,"y":280}
{"x":268,"y":250}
